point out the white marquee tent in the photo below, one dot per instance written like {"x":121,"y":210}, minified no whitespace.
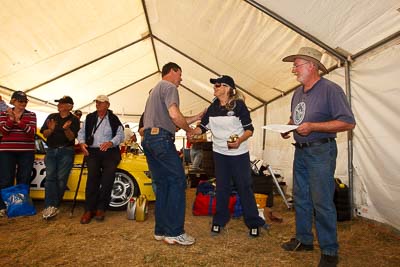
{"x":90,"y":47}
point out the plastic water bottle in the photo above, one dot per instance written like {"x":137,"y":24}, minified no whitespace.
{"x":131,"y":209}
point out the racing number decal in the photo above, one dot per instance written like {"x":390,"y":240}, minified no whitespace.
{"x":38,"y":175}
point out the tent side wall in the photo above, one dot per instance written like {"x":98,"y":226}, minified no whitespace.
{"x":375,"y":100}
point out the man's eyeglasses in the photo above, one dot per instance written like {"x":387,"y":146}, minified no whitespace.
{"x":296,"y":66}
{"x":217,"y":85}
{"x":22,"y":101}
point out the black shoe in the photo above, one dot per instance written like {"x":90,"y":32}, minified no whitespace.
{"x":328,"y":261}
{"x":296,"y":245}
{"x":216,"y":229}
{"x":254,"y":232}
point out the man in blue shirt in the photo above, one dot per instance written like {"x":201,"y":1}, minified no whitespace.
{"x":320,"y":108}
{"x":99,"y":139}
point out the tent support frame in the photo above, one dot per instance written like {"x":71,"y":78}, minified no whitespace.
{"x":205,"y":67}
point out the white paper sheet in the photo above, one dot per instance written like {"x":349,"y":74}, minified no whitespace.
{"x":280,"y":128}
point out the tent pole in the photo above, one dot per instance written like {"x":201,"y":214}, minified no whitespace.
{"x":377,"y":45}
{"x":87,"y":64}
{"x":265,"y":123}
{"x":151,"y":34}
{"x":135,"y":82}
{"x":126,"y":86}
{"x":349,"y":140}
{"x":296,"y":29}
{"x":32,"y":97}
{"x":196,"y":94}
{"x":205,"y":67}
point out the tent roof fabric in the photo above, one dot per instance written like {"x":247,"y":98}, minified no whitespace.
{"x":90,"y":47}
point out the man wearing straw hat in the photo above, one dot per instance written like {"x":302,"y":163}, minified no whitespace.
{"x":320,"y":108}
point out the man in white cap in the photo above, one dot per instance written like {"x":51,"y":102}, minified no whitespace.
{"x":99,"y":138}
{"x":320,"y":108}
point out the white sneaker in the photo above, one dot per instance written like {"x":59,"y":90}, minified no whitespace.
{"x":183,"y":239}
{"x":50,"y":212}
{"x":3,"y":213}
{"x":159,"y":237}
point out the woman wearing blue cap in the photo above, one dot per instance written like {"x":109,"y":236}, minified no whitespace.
{"x":229,"y":121}
{"x":17,"y":146}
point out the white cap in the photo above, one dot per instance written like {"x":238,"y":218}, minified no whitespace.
{"x":102,"y":98}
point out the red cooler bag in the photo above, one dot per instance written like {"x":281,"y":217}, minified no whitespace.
{"x":205,"y":204}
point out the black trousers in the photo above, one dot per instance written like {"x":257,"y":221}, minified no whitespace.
{"x":101,"y":175}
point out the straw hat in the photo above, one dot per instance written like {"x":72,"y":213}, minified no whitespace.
{"x":309,"y":54}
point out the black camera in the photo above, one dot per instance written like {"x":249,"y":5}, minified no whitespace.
{"x":89,"y":140}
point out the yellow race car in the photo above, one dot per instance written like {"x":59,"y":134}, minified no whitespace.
{"x":132,"y":177}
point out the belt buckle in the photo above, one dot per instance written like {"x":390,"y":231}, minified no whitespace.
{"x":298,"y":145}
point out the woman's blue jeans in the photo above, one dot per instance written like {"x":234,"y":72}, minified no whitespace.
{"x":313,"y":189}
{"x":235,"y":169}
{"x":168,"y":175}
{"x":15,"y":165}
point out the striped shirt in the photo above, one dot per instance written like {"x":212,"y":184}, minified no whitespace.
{"x":18,"y":136}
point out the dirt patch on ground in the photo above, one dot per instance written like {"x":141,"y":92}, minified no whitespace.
{"x":31,"y":241}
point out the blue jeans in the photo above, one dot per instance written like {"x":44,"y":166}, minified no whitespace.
{"x":169,"y":177}
{"x":59,"y":162}
{"x":236,"y":168}
{"x":15,"y":165}
{"x":313,"y":189}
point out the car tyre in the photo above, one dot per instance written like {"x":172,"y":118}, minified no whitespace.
{"x":124,"y":187}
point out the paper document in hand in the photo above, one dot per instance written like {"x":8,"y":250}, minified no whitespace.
{"x":280,"y":128}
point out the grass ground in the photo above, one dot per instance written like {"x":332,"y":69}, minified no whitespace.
{"x":31,"y":241}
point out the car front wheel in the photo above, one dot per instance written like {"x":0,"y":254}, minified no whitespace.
{"x":125,"y":187}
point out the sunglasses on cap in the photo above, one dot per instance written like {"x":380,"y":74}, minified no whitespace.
{"x":217,"y":85}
